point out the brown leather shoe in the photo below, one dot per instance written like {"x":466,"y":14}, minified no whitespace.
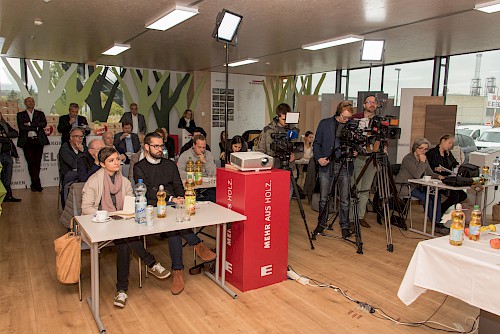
{"x":363,"y":223}
{"x":177,"y":283}
{"x":204,"y":253}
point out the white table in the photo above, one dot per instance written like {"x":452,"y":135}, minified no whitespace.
{"x":96,"y":234}
{"x":435,"y":186}
{"x":469,"y":272}
{"x":208,"y":182}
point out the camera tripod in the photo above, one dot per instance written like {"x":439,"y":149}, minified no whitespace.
{"x":344,"y":161}
{"x":285,"y":165}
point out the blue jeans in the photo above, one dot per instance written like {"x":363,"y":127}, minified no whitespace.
{"x":421,"y":194}
{"x":6,"y":177}
{"x":175,"y":245}
{"x":326,"y":178}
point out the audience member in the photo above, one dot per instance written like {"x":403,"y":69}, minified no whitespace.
{"x":442,"y":161}
{"x":106,"y":190}
{"x":414,"y":166}
{"x":137,"y":120}
{"x":107,"y":138}
{"x":69,"y":153}
{"x":32,"y":139}
{"x":7,"y":152}
{"x":169,"y":144}
{"x":222,"y":148}
{"x":89,"y":163}
{"x":187,"y":122}
{"x":189,"y":144}
{"x":127,"y":141}
{"x":72,"y":120}
{"x":156,"y":171}
{"x":236,"y":144}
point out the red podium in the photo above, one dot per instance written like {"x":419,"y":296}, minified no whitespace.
{"x":257,"y":249}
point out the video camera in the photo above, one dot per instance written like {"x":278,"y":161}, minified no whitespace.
{"x":352,"y":138}
{"x":385,"y":127}
{"x":283,"y":146}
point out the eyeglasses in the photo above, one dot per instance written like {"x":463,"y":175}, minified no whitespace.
{"x":76,"y":136}
{"x":423,"y":148}
{"x":371,"y":102}
{"x":157,"y":146}
{"x":345,"y":117}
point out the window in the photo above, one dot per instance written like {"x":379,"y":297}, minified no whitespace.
{"x":408,"y":75}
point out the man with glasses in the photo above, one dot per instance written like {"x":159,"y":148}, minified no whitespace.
{"x":155,"y":171}
{"x":326,"y":150}
{"x":69,"y":153}
{"x":365,"y":183}
{"x":72,"y":120}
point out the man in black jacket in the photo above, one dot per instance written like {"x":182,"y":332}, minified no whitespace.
{"x":137,"y":120}
{"x":69,"y":153}
{"x":7,"y":151}
{"x":32,"y":139}
{"x":127,"y":141}
{"x":72,"y":120}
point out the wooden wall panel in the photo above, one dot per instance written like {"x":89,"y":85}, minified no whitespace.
{"x":313,"y":117}
{"x":302,"y":101}
{"x":439,"y":120}
{"x":419,"y":113}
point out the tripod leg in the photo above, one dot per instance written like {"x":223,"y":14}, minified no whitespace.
{"x":301,"y":208}
{"x":384,"y":193}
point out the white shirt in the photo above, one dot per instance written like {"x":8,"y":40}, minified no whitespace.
{"x":135,"y":124}
{"x":32,"y":134}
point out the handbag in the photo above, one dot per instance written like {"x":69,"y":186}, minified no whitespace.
{"x":457,"y":181}
{"x":68,"y":250}
{"x":468,"y":170}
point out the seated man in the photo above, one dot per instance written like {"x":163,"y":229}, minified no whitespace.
{"x":69,"y":153}
{"x":198,"y":151}
{"x":88,"y":163}
{"x":127,"y":141}
{"x":155,"y":171}
{"x":189,"y":144}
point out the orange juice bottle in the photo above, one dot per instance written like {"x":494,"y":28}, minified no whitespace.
{"x":198,"y":172}
{"x":457,"y":226}
{"x":190,"y":197}
{"x":161,"y":204}
{"x":475,"y":224}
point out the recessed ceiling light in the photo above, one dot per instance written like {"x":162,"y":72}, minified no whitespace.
{"x":243,"y":62}
{"x":172,"y":17}
{"x":373,"y":50}
{"x":38,"y":22}
{"x":332,"y":42}
{"x":47,"y":1}
{"x":488,"y":7}
{"x":116,"y":49}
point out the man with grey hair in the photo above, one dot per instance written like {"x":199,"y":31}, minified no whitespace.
{"x":88,"y":163}
{"x":72,"y":120}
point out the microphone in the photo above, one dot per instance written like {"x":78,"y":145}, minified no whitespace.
{"x":291,"y":134}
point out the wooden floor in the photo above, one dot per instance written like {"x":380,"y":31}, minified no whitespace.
{"x":32,"y":300}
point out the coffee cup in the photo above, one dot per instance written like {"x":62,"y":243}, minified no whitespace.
{"x":427,"y":178}
{"x":101,"y":215}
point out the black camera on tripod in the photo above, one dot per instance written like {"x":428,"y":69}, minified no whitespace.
{"x":385,"y":127}
{"x":352,"y":138}
{"x":283,"y":146}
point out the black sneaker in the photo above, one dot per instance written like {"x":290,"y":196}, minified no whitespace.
{"x":12,"y":199}
{"x":346,"y":233}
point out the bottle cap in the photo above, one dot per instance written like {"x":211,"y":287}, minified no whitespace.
{"x":161,"y":187}
{"x":139,"y":181}
{"x":476,"y":207}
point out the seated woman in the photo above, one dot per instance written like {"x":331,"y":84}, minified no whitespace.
{"x":236,"y":144}
{"x":441,"y":159}
{"x":106,"y":190}
{"x":414,"y":166}
{"x":187,"y":121}
{"x":222,"y":148}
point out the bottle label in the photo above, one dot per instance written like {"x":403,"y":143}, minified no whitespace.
{"x":140,"y":212}
{"x":190,"y":202}
{"x":456,"y":235}
{"x":161,"y":210}
{"x":474,"y":229}
{"x":198,"y":176}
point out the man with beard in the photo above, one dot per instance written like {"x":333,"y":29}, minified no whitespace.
{"x":154,"y":171}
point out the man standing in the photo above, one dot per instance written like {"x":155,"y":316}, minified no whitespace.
{"x":7,"y":151}
{"x":365,"y":183}
{"x":32,"y":139}
{"x":137,"y":120}
{"x":127,"y":141}
{"x":326,"y":149}
{"x":155,"y":171}
{"x":72,"y":120}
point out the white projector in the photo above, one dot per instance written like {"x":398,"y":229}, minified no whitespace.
{"x":247,"y":161}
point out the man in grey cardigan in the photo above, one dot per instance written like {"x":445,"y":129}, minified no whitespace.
{"x":198,"y":151}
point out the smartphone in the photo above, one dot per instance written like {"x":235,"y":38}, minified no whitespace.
{"x":116,"y":217}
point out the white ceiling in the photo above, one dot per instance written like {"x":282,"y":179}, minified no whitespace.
{"x":272,"y":30}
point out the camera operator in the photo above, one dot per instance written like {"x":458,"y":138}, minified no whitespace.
{"x":365,"y":183}
{"x":278,"y":126}
{"x":326,"y":147}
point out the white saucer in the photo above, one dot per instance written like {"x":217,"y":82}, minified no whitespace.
{"x":98,"y":221}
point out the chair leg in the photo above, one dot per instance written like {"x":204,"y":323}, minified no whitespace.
{"x":145,"y":265}
{"x":140,"y":272}
{"x":80,"y":286}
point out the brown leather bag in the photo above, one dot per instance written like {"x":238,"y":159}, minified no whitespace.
{"x":68,"y":257}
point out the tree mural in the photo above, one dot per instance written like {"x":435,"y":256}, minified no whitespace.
{"x":100,"y":112}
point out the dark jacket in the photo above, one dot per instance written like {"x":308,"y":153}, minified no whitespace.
{"x":435,"y":159}
{"x":64,"y":127}
{"x":170,"y":146}
{"x":120,"y":144}
{"x":38,"y":124}
{"x":6,"y":134}
{"x":182,"y":125}
{"x":140,"y":119}
{"x":325,"y":140}
{"x":68,"y":159}
{"x":85,"y":167}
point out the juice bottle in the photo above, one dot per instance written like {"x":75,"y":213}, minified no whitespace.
{"x":190,"y":197}
{"x":475,"y":224}
{"x":457,"y":226}
{"x":189,"y":170}
{"x":198,"y":172}
{"x":161,"y":204}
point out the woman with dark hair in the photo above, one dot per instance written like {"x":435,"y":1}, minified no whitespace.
{"x":187,"y":121}
{"x":106,"y":190}
{"x":414,"y":166}
{"x":442,"y":161}
{"x":236,"y":144}
{"x":222,"y":148}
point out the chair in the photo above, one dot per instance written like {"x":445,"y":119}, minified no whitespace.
{"x":406,"y":208}
{"x":73,"y":209}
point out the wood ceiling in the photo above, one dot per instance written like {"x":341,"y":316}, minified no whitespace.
{"x":272,"y":31}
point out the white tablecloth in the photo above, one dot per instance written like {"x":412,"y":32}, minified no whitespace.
{"x":470,"y":272}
